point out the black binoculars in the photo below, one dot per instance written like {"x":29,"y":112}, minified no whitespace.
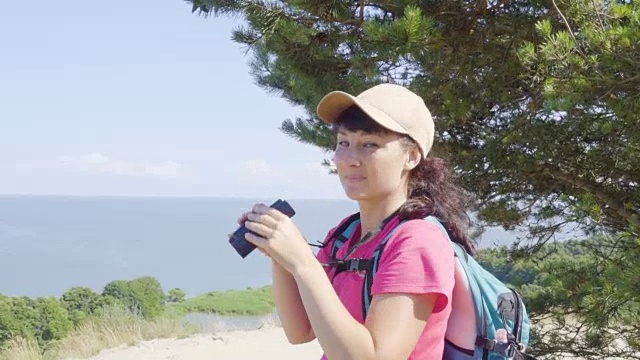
{"x":244,"y":247}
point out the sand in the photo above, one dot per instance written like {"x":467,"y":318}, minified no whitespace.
{"x":268,"y":342}
{"x":265,"y":343}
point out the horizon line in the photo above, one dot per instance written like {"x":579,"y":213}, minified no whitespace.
{"x":202,"y":196}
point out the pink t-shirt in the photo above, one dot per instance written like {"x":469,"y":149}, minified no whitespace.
{"x":417,"y":259}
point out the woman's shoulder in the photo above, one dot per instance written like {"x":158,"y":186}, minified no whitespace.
{"x":419,"y":233}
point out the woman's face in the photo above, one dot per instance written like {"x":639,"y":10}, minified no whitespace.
{"x":373,"y":165}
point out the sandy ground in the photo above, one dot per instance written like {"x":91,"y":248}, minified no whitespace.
{"x":266,"y":343}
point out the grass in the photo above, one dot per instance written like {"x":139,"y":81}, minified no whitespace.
{"x":113,"y":327}
{"x":231,"y":302}
{"x":21,"y":349}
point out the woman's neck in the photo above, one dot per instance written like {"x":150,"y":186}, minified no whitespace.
{"x":373,"y":213}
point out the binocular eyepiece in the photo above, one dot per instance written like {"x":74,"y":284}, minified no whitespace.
{"x":244,"y":247}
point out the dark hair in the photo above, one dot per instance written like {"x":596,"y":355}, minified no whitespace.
{"x":432,"y":187}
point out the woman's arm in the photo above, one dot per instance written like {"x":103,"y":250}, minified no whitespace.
{"x":291,"y":312}
{"x":409,"y":265}
{"x":392,"y":328}
{"x":289,"y":306}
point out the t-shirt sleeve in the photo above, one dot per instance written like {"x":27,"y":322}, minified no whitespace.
{"x":418,"y":259}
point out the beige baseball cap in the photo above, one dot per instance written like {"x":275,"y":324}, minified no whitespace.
{"x":394,"y":107}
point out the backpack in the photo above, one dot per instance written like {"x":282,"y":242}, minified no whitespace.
{"x":497,"y":305}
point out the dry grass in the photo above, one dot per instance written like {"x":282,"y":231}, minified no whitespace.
{"x":112,"y":328}
{"x":271,"y":320}
{"x":21,"y":349}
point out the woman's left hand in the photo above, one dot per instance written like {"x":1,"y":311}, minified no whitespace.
{"x":278,"y":237}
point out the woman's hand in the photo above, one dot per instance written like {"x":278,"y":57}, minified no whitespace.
{"x":279,"y":238}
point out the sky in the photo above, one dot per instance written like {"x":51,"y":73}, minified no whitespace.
{"x":141,"y":98}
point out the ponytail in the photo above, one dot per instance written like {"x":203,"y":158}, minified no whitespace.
{"x":433,"y":191}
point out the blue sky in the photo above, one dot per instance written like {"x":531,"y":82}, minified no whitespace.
{"x":141,"y":98}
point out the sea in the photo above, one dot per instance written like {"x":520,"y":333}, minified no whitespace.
{"x":49,"y":244}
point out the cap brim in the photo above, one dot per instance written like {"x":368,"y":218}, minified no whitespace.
{"x":334,"y":103}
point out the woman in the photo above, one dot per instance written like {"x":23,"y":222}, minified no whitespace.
{"x":383,"y":138}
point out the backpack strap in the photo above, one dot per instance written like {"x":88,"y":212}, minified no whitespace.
{"x":336,"y":240}
{"x":344,"y":232}
{"x":369,"y":275}
{"x":354,"y":264}
{"x":341,"y":234}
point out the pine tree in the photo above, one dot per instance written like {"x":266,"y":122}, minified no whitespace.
{"x":536,"y":105}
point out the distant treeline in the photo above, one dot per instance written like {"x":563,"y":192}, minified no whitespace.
{"x":535,"y":276}
{"x":527,"y":271}
{"x":47,"y":319}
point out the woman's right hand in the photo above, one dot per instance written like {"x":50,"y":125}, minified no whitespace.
{"x":241,"y":220}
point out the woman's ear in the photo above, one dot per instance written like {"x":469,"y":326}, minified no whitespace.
{"x":413,"y":159}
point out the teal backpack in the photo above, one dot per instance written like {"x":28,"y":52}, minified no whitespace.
{"x":497,"y":305}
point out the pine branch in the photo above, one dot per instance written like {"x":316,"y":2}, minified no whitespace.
{"x":310,"y":132}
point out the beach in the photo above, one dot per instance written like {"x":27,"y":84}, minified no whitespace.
{"x":269,"y":342}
